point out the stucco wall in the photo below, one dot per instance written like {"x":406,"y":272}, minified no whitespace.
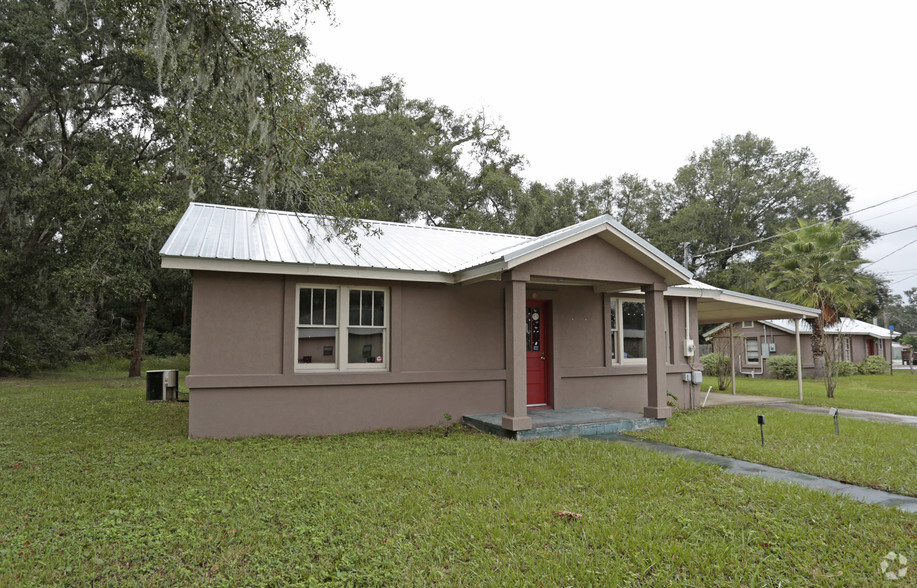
{"x":230,"y":312}
{"x":325,"y":410}
{"x":452,"y":328}
{"x":447,"y":356}
{"x":579,"y":326}
{"x":591,"y":259}
{"x":786,"y":345}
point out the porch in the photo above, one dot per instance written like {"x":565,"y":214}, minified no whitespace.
{"x":570,"y":422}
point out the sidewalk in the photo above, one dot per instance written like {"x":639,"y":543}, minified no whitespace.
{"x":720,"y":399}
{"x":747,"y":468}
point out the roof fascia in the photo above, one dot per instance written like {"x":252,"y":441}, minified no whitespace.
{"x":302,"y":269}
{"x":803,"y":311}
{"x":715,"y":329}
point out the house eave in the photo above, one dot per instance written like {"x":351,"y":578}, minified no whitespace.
{"x":304,"y":269}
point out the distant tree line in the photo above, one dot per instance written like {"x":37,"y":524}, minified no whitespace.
{"x":115,"y":113}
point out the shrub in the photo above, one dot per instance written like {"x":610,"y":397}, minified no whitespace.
{"x":716,"y":365}
{"x":846,"y":368}
{"x":782,"y":367}
{"x":872,"y":365}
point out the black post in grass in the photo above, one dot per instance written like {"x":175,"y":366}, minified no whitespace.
{"x":761,"y":422}
{"x":837,"y":427}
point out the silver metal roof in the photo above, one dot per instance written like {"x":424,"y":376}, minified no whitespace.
{"x":209,"y":231}
{"x":209,"y":235}
{"x":846,"y":326}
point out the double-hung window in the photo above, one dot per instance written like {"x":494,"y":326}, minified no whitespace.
{"x":752,"y":353}
{"x":628,"y":329}
{"x":341,"y":328}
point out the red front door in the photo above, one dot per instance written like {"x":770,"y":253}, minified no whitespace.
{"x":537,"y":345}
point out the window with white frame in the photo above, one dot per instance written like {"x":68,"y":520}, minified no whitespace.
{"x":748,"y":324}
{"x":628,"y":329}
{"x":341,"y":328}
{"x":847,"y":352}
{"x":752,"y":354}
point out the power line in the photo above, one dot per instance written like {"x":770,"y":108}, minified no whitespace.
{"x":763,"y":239}
{"x":897,"y":231}
{"x":890,"y":254}
{"x":907,"y":278}
{"x":885,"y":214}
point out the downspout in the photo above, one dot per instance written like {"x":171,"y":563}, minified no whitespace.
{"x":732,"y":359}
{"x":688,"y":336}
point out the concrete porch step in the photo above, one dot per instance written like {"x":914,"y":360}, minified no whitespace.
{"x":571,"y":422}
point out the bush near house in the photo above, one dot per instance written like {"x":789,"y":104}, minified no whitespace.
{"x":873,"y":365}
{"x":847,"y":368}
{"x":782,"y":367}
{"x":716,"y":365}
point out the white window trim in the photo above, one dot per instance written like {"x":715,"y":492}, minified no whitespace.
{"x":745,"y":345}
{"x":341,"y":339}
{"x":748,"y":324}
{"x":618,"y":331}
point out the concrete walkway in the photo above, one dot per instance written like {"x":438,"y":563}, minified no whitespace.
{"x":747,"y":468}
{"x":723,"y":399}
{"x":720,"y":399}
{"x":865,"y":415}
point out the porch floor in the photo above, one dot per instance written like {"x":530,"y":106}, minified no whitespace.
{"x":568,"y":422}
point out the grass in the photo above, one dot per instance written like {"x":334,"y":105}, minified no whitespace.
{"x":877,"y":455}
{"x":882,"y":393}
{"x":101,"y":488}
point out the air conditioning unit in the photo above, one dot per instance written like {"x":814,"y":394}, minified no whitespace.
{"x":161,"y":385}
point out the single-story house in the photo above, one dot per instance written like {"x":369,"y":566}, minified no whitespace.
{"x":293,"y":331}
{"x":762,"y":338}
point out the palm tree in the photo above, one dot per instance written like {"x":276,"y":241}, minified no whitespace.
{"x":816,"y":265}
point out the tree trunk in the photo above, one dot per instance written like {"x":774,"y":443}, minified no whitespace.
{"x":819,"y":367}
{"x":137,"y":356}
{"x":6,"y":318}
{"x":818,"y":349}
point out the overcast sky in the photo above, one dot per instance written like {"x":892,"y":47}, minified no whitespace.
{"x":592,"y":89}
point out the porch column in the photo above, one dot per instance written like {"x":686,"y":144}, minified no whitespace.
{"x":516,"y":418}
{"x":655,"y":353}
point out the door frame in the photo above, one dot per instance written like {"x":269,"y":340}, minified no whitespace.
{"x":547,"y":329}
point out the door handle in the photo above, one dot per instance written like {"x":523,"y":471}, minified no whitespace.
{"x":542,"y":357}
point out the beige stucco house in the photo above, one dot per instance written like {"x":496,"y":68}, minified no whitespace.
{"x":295,"y":332}
{"x":757,"y":340}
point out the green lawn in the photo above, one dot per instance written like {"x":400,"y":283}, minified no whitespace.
{"x":100,"y":488}
{"x":896,"y":394}
{"x":878,"y":455}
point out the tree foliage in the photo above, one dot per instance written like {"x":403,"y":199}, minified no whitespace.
{"x":113,"y":113}
{"x":740,"y":190}
{"x":412,"y":160}
{"x":817,"y":266}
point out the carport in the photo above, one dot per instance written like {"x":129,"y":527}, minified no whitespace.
{"x":717,"y":305}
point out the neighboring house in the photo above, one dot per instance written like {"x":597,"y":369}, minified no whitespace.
{"x":757,"y":340}
{"x":292,"y":332}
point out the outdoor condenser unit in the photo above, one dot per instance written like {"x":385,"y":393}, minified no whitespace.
{"x":161,"y":385}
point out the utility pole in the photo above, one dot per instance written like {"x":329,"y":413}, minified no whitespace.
{"x":687,"y":262}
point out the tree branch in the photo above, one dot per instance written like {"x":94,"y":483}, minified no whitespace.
{"x":28,"y":111}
